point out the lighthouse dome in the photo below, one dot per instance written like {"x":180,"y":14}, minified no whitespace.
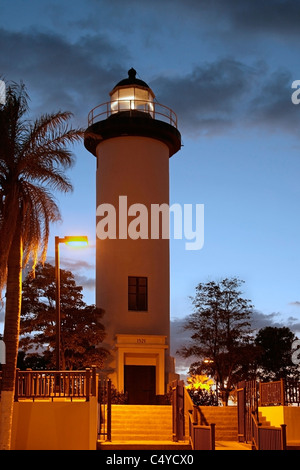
{"x":131,"y":80}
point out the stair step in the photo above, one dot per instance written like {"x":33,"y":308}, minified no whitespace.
{"x":225,"y":419}
{"x":139,"y":445}
{"x":141,"y":423}
{"x":145,"y":424}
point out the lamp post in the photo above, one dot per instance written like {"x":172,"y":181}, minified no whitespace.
{"x":72,"y":241}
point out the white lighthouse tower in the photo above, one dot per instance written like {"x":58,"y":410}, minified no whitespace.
{"x":133,"y":137}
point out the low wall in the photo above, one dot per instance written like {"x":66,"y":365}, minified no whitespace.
{"x":289,"y":415}
{"x":57,"y":425}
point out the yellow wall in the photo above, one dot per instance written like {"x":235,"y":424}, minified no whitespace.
{"x":273,"y":414}
{"x":292,"y":419}
{"x":57,"y":425}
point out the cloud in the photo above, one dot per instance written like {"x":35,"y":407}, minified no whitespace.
{"x":207,"y":99}
{"x":281,"y":17}
{"x":272,"y":106}
{"x":181,"y":337}
{"x":86,"y":282}
{"x":72,"y":264}
{"x":61,"y":74}
{"x":212,"y":98}
{"x":226,"y":94}
{"x":262,"y":16}
{"x":260,"y":320}
{"x":76,"y":267}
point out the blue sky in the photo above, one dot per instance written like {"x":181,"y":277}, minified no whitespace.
{"x":226,"y":68}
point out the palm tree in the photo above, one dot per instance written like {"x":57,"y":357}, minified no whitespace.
{"x":33,"y":158}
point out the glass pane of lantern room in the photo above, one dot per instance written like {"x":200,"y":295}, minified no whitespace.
{"x":144,"y":100}
{"x":114,"y":101}
{"x":142,"y":95}
{"x":126,"y":93}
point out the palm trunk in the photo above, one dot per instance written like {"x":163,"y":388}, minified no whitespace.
{"x":11,"y":337}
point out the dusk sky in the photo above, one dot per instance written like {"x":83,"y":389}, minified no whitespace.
{"x":226,"y":68}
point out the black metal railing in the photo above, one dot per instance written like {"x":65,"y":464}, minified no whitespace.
{"x":104,"y":418}
{"x":281,"y":392}
{"x":32,"y":385}
{"x":153,"y":109}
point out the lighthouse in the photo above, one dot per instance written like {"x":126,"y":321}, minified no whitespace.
{"x":133,"y":137}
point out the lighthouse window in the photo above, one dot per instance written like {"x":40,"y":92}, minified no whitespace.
{"x":137,"y":293}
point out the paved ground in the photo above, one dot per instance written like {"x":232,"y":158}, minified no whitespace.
{"x":161,"y":445}
{"x":232,"y":445}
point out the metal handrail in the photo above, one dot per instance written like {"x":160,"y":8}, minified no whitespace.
{"x":34,"y":384}
{"x":105,"y":110}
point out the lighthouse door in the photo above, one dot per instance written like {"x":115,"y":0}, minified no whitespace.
{"x":139,"y":383}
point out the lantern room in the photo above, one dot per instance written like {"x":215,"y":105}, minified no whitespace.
{"x":132,"y":94}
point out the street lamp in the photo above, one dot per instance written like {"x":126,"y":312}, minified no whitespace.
{"x":76,"y":241}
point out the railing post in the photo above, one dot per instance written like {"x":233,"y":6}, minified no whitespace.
{"x":283,"y":436}
{"x":212,"y":436}
{"x":87,"y":383}
{"x":108,"y":415}
{"x":195,"y":415}
{"x":282,"y":388}
{"x":28,"y":382}
{"x":94,"y":384}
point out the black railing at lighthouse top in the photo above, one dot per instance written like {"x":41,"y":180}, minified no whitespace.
{"x":155,"y":110}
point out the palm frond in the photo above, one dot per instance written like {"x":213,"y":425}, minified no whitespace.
{"x":33,"y":160}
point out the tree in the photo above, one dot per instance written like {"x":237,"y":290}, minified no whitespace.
{"x":221,"y":335}
{"x":275,"y":359}
{"x":33,"y":158}
{"x":81,"y":329}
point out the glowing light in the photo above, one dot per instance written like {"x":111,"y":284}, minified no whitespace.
{"x":76,"y":241}
{"x":132,"y":97}
{"x":199,"y":382}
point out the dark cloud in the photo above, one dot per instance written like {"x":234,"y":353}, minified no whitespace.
{"x":263,"y":16}
{"x":272,"y":106}
{"x":260,"y":320}
{"x":221,"y":95}
{"x":206,"y":100}
{"x":72,"y":264}
{"x":80,"y":269}
{"x":86,"y":282}
{"x":60,"y":74}
{"x":212,"y":98}
{"x":281,"y":17}
{"x":179,"y":338}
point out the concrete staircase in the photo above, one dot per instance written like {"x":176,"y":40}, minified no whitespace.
{"x":142,"y":427}
{"x":225,"y":419}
